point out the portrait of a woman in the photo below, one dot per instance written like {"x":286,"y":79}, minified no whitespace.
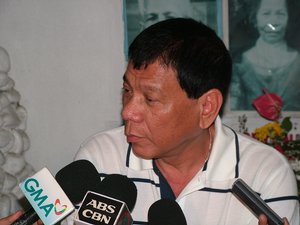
{"x":271,"y":59}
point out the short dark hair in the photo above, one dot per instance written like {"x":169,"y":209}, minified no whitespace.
{"x":194,"y":50}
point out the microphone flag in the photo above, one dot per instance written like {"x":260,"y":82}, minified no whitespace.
{"x":100,"y":209}
{"x":46,"y":197}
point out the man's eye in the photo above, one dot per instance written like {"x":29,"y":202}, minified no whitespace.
{"x":169,"y":15}
{"x":150,"y":99}
{"x":151,"y":17}
{"x":126,"y":91}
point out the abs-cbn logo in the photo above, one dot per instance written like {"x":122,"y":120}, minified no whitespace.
{"x":99,"y":209}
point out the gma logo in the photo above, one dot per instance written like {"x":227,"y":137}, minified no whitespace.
{"x":32,"y":186}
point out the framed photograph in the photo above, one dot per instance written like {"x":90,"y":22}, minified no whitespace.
{"x":263,"y":39}
{"x":140,"y":14}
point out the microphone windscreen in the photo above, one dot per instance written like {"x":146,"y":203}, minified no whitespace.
{"x":166,"y":212}
{"x":77,"y":178}
{"x":119,"y":187}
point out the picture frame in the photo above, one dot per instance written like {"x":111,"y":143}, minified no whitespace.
{"x":139,"y":14}
{"x":239,"y":35}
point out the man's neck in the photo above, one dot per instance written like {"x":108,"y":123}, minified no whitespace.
{"x":179,"y":170}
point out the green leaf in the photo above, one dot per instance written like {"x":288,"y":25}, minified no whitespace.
{"x":286,"y":124}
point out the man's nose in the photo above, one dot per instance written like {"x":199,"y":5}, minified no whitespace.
{"x":132,"y":110}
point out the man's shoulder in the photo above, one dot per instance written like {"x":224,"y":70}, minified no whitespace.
{"x":105,"y":147}
{"x":112,"y":135}
{"x":260,"y":153}
{"x":106,"y":143}
{"x":251,"y":149}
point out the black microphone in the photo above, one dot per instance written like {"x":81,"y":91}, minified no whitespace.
{"x":111,"y":204}
{"x":74,"y":179}
{"x":254,"y":202}
{"x":166,"y":212}
{"x":77,"y":178}
{"x":120,"y":187}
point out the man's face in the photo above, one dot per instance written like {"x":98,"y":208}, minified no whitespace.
{"x":156,"y":11}
{"x":160,"y":120}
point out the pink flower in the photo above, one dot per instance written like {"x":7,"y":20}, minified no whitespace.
{"x":268,"y":105}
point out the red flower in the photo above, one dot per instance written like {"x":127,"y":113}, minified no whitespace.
{"x":268,"y":105}
{"x":279,"y":148}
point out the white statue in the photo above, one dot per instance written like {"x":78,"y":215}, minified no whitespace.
{"x":13,"y":141}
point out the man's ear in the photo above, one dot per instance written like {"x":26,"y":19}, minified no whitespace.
{"x":210,"y":104}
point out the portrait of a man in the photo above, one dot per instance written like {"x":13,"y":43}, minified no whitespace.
{"x":143,"y":13}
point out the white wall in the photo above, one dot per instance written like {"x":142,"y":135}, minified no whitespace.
{"x":67,"y":63}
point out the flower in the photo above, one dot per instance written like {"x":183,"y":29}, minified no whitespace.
{"x":270,"y":130}
{"x":276,"y":132}
{"x":268,"y":105}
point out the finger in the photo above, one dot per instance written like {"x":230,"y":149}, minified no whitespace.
{"x":40,"y":222}
{"x":286,"y":222}
{"x":262,"y":220}
{"x":11,"y":218}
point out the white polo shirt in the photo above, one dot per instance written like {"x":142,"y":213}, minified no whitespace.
{"x":207,"y":199}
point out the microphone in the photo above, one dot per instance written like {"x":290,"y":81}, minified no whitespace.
{"x":166,"y":212}
{"x":46,"y":197}
{"x":254,"y":202}
{"x":42,"y":192}
{"x":77,"y":178}
{"x":111,"y":204}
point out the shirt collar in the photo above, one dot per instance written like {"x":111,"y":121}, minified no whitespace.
{"x":136,"y":163}
{"x":224,"y":158}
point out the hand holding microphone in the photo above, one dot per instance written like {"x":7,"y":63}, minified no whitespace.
{"x":11,"y":218}
{"x":255,"y":203}
{"x":74,"y":180}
